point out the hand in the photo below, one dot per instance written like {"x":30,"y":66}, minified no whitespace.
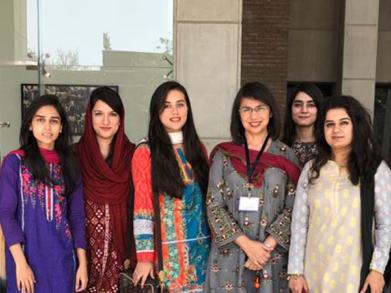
{"x":24,"y":278}
{"x":141,"y":272}
{"x":298,"y":285}
{"x":251,"y":266}
{"x":81,"y":278}
{"x":256,"y":251}
{"x":375,"y":281}
{"x":270,"y":242}
{"x":126,"y":264}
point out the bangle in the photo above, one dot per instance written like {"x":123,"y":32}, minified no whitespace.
{"x":294,"y":276}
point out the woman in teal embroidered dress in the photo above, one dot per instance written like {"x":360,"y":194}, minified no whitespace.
{"x":174,"y":163}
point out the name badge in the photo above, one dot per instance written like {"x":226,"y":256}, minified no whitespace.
{"x":248,"y":204}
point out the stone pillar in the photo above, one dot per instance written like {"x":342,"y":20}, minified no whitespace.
{"x":360,"y":50}
{"x":207,"y":37}
{"x":13,"y":31}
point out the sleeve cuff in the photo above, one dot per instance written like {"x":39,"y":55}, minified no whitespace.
{"x":145,"y":256}
{"x":377,"y":268}
{"x":15,"y":240}
{"x":281,"y":242}
{"x":230,"y":240}
{"x":80,"y":244}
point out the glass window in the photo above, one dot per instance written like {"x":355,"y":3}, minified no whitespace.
{"x":123,"y":43}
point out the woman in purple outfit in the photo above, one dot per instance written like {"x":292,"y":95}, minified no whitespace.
{"x":41,"y":206}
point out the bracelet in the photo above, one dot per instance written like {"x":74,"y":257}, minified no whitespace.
{"x":294,"y":276}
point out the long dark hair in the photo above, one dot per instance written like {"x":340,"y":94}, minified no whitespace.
{"x":256,"y":91}
{"x":364,"y":146}
{"x":166,"y":175}
{"x":315,"y":93}
{"x":33,"y":158}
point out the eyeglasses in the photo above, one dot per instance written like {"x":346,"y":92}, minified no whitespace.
{"x":257,"y":110}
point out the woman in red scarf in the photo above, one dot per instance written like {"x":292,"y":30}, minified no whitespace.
{"x":105,"y":155}
{"x":251,"y":190}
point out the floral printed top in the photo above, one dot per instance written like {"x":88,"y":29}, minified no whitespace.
{"x":304,"y":151}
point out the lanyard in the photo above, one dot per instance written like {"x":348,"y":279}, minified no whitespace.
{"x":251,"y":167}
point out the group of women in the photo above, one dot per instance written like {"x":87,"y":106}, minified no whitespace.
{"x":310,"y":213}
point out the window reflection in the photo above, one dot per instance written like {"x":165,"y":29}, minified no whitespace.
{"x":83,"y":35}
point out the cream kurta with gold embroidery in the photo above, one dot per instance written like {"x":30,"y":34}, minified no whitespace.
{"x":333,"y":243}
{"x":332,"y":259}
{"x":325,"y":230}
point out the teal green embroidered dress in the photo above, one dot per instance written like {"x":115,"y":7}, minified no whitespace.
{"x":185,"y":233}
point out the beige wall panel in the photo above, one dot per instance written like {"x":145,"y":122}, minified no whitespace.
{"x":360,"y":52}
{"x":361,"y":12}
{"x":208,"y":10}
{"x":7,"y":34}
{"x":20,"y":11}
{"x":383,"y":72}
{"x":314,"y":14}
{"x":207,"y":63}
{"x":312,"y":55}
{"x":363,"y":90}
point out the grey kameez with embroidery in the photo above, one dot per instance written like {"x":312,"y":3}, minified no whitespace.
{"x":226,"y":272}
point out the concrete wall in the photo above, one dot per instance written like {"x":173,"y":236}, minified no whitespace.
{"x":360,"y":50}
{"x":207,"y":61}
{"x":13,"y":15}
{"x":313,"y":40}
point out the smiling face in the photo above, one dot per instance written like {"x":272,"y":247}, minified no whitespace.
{"x":254,"y":115}
{"x":105,"y":121}
{"x":338,"y":129}
{"x":303,"y":110}
{"x":173,"y":116}
{"x":46,"y":126}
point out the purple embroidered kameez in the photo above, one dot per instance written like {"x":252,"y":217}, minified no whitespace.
{"x":49,"y":225}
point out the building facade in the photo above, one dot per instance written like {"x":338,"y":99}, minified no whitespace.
{"x":343,"y":46}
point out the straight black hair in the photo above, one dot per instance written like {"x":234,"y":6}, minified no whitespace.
{"x":256,"y":91}
{"x":166,"y":176}
{"x":315,"y":93}
{"x":33,"y":158}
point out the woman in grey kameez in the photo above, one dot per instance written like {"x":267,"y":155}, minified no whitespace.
{"x":250,"y":198}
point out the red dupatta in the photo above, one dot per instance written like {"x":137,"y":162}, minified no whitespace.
{"x":237,"y":155}
{"x":104,"y":184}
